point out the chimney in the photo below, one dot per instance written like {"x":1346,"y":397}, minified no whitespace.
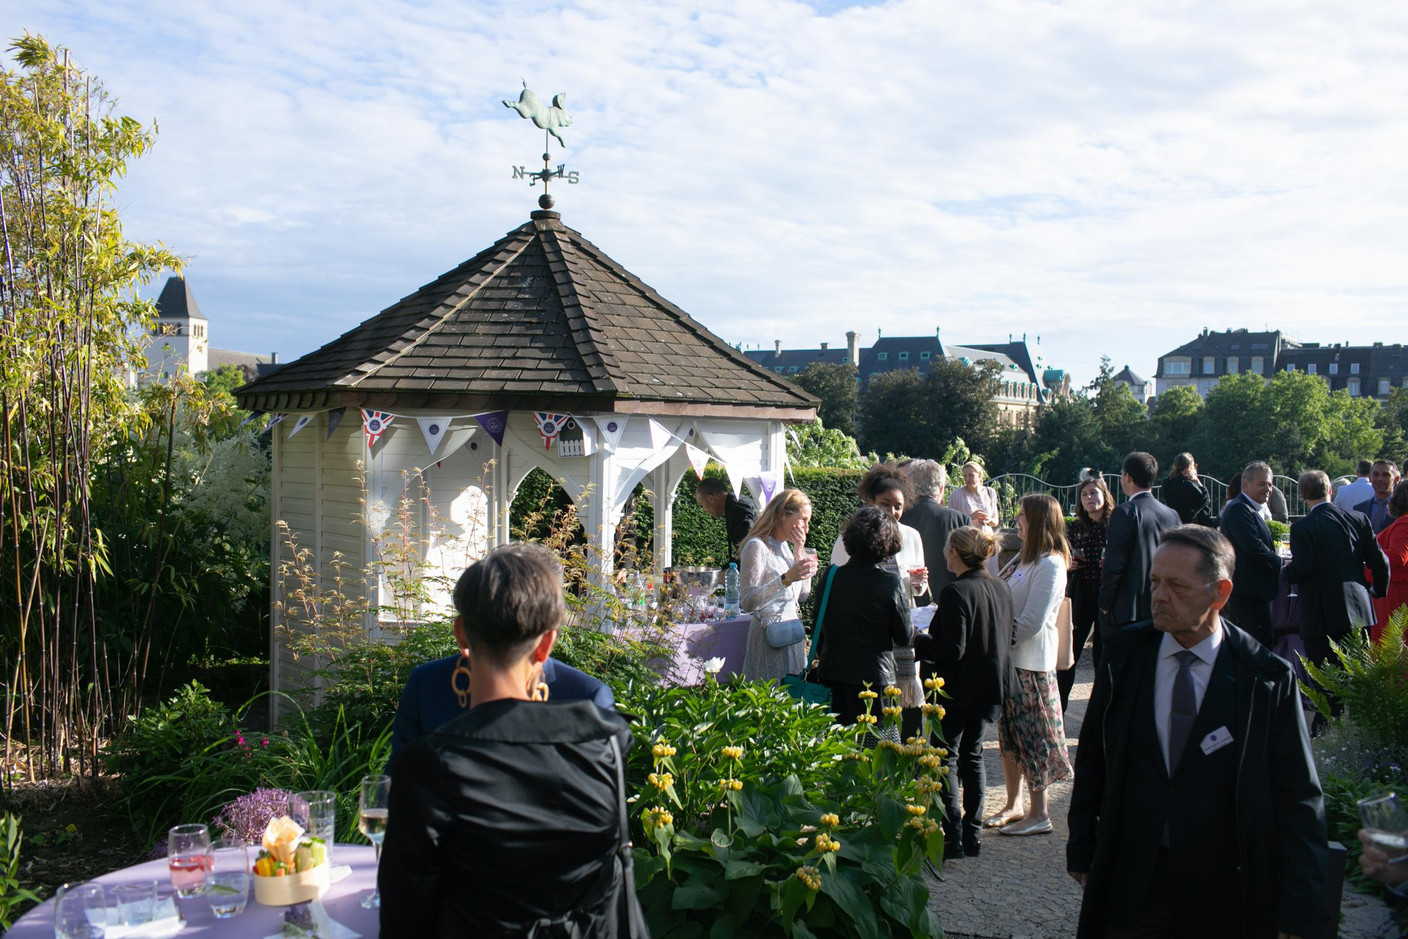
{"x":777,"y":347}
{"x":853,"y":348}
{"x":273,"y":358}
{"x":937,"y":331}
{"x":823,"y":347}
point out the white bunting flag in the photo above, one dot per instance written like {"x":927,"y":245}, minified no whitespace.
{"x":735,"y":479}
{"x":433,"y":428}
{"x":303,"y":421}
{"x":659,"y":436}
{"x":697,"y":459}
{"x":611,"y":427}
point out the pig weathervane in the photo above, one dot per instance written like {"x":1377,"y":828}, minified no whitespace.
{"x":551,"y":120}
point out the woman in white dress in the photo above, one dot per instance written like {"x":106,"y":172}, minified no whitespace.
{"x":774,"y":576}
{"x":979,"y":503}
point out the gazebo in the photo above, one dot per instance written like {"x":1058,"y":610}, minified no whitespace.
{"x":540,"y":351}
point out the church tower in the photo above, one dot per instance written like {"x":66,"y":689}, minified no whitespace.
{"x":180,"y":336}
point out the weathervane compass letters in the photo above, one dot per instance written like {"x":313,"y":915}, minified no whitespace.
{"x":551,"y":120}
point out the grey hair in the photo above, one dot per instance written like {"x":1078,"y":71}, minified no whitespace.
{"x":1218,"y":557}
{"x":928,"y":477}
{"x":1257,"y":468}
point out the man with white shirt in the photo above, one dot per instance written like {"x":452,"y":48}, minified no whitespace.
{"x":1351,"y":494}
{"x":1196,"y":809}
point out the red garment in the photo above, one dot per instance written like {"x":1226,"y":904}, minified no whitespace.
{"x":1394,"y":541}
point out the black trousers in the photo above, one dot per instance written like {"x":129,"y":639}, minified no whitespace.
{"x":963,"y":737}
{"x":1252,"y":616}
{"x":1085,"y":609}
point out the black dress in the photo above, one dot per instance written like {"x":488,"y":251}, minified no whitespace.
{"x":506,"y":820}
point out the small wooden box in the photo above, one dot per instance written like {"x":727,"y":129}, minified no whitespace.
{"x":292,"y":888}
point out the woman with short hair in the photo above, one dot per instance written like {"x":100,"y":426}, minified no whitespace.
{"x":774,"y":577}
{"x":1031,"y":731}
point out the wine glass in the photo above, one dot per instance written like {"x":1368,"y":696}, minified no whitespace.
{"x":80,"y":912}
{"x":1386,"y":821}
{"x":188,"y":858}
{"x":372,"y":810}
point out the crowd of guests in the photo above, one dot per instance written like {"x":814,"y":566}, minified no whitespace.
{"x":1194,"y":770}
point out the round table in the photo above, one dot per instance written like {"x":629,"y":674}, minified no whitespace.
{"x":343,"y":901}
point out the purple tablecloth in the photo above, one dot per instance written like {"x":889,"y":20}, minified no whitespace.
{"x":343,"y":902}
{"x":696,"y":643}
{"x":1285,"y":625}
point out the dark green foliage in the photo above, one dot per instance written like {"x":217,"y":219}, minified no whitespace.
{"x":904,"y":413}
{"x":834,"y":383}
{"x":13,"y":894}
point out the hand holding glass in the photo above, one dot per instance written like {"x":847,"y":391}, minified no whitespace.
{"x":373,"y":807}
{"x":1386,"y":823}
{"x":188,"y":858}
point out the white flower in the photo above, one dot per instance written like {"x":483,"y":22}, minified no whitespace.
{"x":713,"y":666}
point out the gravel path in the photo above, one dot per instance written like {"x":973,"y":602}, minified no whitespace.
{"x":1018,"y":888}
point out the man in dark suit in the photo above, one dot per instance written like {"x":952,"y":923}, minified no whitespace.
{"x":1383,"y":476}
{"x":1256,"y":580}
{"x":934,"y":521}
{"x":715,"y":498}
{"x":1134,"y":533}
{"x":1196,"y":809}
{"x":1330,"y":548}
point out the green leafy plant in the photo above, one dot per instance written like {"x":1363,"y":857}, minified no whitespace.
{"x":1371,"y":679}
{"x":13,"y":894}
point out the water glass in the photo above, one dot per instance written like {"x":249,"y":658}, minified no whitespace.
{"x":227,"y":886}
{"x":80,"y":912}
{"x":1386,"y":821}
{"x":316,"y":811}
{"x":136,"y":903}
{"x":188,"y":858}
{"x":373,"y":808}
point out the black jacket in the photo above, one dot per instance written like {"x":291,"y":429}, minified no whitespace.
{"x":934,"y":522}
{"x":867,"y":615}
{"x":970,"y":644}
{"x":1329,"y":550}
{"x":1258,"y":571}
{"x":1190,"y":500}
{"x":739,"y":515}
{"x":504,"y":818}
{"x":1134,"y":533}
{"x":1276,"y":866}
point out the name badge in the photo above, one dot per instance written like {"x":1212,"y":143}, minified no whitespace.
{"x":1216,"y":740}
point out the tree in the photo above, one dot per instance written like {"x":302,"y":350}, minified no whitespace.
{"x":816,"y":445}
{"x":1234,"y":430}
{"x":69,"y":322}
{"x":894,"y":413}
{"x":835,"y":384}
{"x":1174,"y":422}
{"x":961,"y":400}
{"x":1392,"y":420}
{"x":1124,"y":422}
{"x":1067,"y":439}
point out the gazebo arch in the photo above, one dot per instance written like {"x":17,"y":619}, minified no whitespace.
{"x":462,"y":380}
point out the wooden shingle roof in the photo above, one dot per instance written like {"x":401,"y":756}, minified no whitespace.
{"x":542,"y":320}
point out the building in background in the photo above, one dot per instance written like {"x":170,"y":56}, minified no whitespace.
{"x":1026,"y":383}
{"x":1141,"y":388}
{"x":180,"y":340}
{"x":1363,"y":371}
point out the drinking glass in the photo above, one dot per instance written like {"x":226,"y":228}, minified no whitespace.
{"x":316,"y":811}
{"x":372,"y":810}
{"x":1387,"y":824}
{"x":227,"y":885}
{"x":188,"y":857}
{"x":136,"y":903}
{"x":80,"y":912}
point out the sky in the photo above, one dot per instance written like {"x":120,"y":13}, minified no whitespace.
{"x":1109,"y":176}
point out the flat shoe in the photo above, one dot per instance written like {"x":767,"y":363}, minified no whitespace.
{"x":1042,"y":827}
{"x":1000,"y":821}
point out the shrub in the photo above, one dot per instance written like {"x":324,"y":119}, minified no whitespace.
{"x":1372,"y":681}
{"x":13,"y":894}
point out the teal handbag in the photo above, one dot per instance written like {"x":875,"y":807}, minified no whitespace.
{"x":798,"y":686}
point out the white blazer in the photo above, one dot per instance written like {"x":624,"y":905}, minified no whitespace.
{"x":1037,"y":590}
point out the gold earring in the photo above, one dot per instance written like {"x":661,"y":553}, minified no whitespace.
{"x":461,"y":668}
{"x":537,"y":688}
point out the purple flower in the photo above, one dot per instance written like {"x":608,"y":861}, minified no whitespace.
{"x":248,"y":816}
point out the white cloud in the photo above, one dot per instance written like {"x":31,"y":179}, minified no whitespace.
{"x":1112,"y":176}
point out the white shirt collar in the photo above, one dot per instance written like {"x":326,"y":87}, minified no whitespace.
{"x":1205,"y":650}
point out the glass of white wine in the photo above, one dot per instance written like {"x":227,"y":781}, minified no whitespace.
{"x":371,"y":820}
{"x":1386,"y":821}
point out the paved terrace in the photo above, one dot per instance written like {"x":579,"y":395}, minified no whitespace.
{"x":1018,"y":887}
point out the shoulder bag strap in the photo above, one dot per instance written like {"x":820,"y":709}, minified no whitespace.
{"x":635,"y":918}
{"x":821,"y":612}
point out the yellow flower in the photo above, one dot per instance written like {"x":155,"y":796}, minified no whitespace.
{"x":867,"y":719}
{"x":809,"y":876}
{"x":662,"y":750}
{"x":659,"y":818}
{"x":733,"y":785}
{"x":930,"y":761}
{"x":931,"y":709}
{"x":825,"y":843}
{"x":732,"y":753}
{"x":916,"y":823}
{"x":942,"y":712}
{"x":830,"y":820}
{"x":867,"y":695}
{"x":889,"y":711}
{"x":915,"y":809}
{"x":891,"y":691}
{"x":661,"y":780}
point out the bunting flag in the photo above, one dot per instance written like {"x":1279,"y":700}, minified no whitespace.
{"x":697,"y":459}
{"x":277,"y":418}
{"x":252,"y":416}
{"x":303,"y":421}
{"x":611,"y":428}
{"x":549,"y":425}
{"x":433,"y":429}
{"x":494,"y":424}
{"x":767,"y":481}
{"x":659,"y":436}
{"x":375,"y":424}
{"x":735,"y":479}
{"x":334,"y":418}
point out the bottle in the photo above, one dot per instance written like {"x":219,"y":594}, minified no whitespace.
{"x":731,"y":591}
